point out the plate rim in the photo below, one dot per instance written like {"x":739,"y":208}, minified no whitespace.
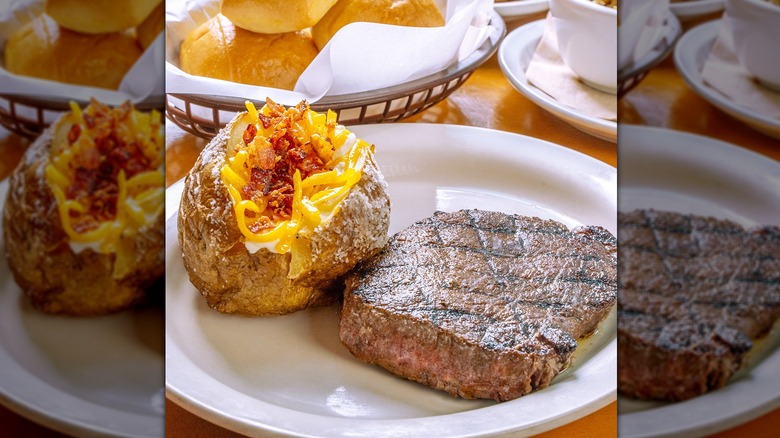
{"x":216,"y":416}
{"x":714,"y":142}
{"x":518,"y":40}
{"x":59,"y":420}
{"x":635,"y":424}
{"x":520,"y":8}
{"x":696,"y":8}
{"x":693,"y":42}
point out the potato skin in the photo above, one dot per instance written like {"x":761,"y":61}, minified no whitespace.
{"x":234,"y":281}
{"x":57,"y":280}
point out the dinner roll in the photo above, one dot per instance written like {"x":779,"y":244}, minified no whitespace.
{"x":43,"y":49}
{"x":100,"y":16}
{"x":218,"y":49}
{"x":151,"y":27}
{"x":416,"y":13}
{"x":275,"y":16}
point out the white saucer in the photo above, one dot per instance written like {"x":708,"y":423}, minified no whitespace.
{"x":695,"y":9}
{"x":515,"y":54}
{"x":520,"y":8}
{"x":689,"y":57}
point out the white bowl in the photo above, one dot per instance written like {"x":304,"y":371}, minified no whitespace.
{"x":755,"y":26}
{"x":587,"y":40}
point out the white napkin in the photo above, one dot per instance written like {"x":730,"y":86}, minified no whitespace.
{"x":360,"y":57}
{"x":641,"y":28}
{"x":144,"y":79}
{"x":723,"y":72}
{"x":549,"y":73}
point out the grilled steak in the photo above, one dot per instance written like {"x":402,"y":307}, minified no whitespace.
{"x":480,"y":304}
{"x":693,"y":291}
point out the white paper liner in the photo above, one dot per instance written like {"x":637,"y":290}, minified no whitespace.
{"x":549,"y":73}
{"x":723,"y":72}
{"x":145,"y":79}
{"x":641,"y":29}
{"x":360,"y":57}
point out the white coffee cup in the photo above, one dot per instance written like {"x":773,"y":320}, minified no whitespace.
{"x":587,"y":40}
{"x":755,"y":28}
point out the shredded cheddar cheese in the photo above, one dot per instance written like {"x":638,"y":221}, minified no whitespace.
{"x":105,"y":172}
{"x":288,"y":172}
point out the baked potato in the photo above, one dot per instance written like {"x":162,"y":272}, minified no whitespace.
{"x":279,"y":205}
{"x":83,"y":219}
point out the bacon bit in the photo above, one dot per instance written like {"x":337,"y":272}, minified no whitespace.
{"x":97,"y":188}
{"x":123,"y":111}
{"x":301,"y":107}
{"x":96,"y":170}
{"x":87,"y":224}
{"x":82,"y":183}
{"x":262,"y":223}
{"x":265,"y":120}
{"x":89,"y":159}
{"x":272,"y":169}
{"x":282,"y":141}
{"x":266,"y":158}
{"x":98,"y":106}
{"x":89,"y":120}
{"x":74,"y":133}
{"x":105,"y":141}
{"x":130,"y":158}
{"x":103,"y":206}
{"x":276,"y":109}
{"x":305,"y":159}
{"x":259,"y":181}
{"x":281,"y":202}
{"x":249,"y":133}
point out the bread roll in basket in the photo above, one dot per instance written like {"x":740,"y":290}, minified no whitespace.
{"x":45,"y":50}
{"x":275,"y":16}
{"x":218,"y":49}
{"x":100,"y":16}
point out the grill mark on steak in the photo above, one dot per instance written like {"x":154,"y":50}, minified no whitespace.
{"x":693,"y":292}
{"x":480,"y":304}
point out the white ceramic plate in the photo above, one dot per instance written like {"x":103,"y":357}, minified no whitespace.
{"x":290,"y":375}
{"x":514,"y":55}
{"x":689,"y":10}
{"x":690,"y":54}
{"x":520,"y":8}
{"x":670,"y":170}
{"x":99,"y":376}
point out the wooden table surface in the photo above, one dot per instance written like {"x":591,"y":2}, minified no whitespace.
{"x":663,"y":99}
{"x":488,"y":100}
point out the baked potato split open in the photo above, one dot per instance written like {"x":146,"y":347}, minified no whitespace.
{"x":279,"y":205}
{"x":82,"y":223}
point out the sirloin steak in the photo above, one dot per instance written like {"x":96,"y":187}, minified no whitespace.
{"x":480,"y":304}
{"x":693,"y":291}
